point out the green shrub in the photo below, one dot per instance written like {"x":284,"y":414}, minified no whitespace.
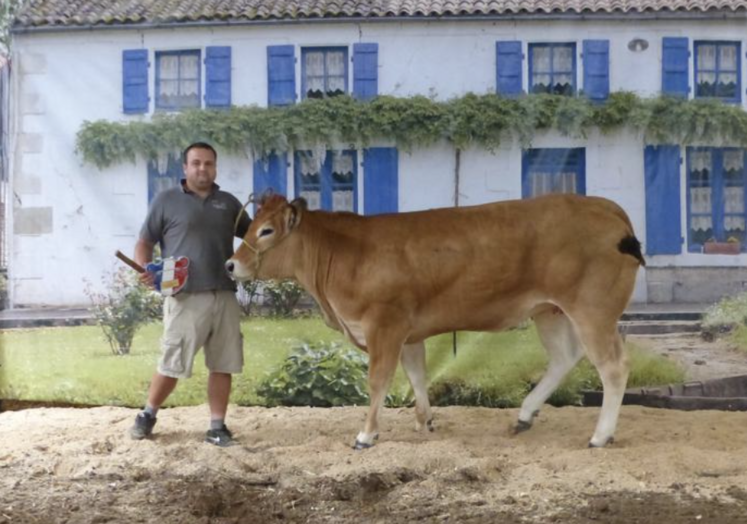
{"x":283,"y":296}
{"x":319,"y":376}
{"x":458,"y":392}
{"x":123,"y":308}
{"x":249,"y":292}
{"x":724,"y":316}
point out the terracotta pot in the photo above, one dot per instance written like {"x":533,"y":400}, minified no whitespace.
{"x":722,"y":248}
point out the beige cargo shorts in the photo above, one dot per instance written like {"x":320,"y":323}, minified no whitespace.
{"x":209,"y":320}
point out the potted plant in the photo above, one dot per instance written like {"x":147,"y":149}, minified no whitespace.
{"x":731,"y":247}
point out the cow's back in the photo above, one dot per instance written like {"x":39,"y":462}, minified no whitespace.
{"x":474,"y":268}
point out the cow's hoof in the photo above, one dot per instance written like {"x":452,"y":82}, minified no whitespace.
{"x":361,"y":445}
{"x":521,"y":426}
{"x":610,"y":440}
{"x":430,"y":426}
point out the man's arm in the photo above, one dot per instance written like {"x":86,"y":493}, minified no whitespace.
{"x":143,"y":256}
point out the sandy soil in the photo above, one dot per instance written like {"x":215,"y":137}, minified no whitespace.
{"x":296,"y":465}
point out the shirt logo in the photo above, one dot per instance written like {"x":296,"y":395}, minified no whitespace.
{"x":219,"y":205}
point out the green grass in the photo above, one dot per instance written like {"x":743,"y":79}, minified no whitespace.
{"x":739,"y":337}
{"x":75,"y":365}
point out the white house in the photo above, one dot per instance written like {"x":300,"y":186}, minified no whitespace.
{"x":133,"y":60}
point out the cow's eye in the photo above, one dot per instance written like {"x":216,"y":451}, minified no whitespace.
{"x":266,"y":231}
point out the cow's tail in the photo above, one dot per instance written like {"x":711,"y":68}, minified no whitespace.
{"x":630,"y":245}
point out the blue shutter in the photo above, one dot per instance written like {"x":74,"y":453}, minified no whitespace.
{"x":380,"y":180}
{"x":135,"y":81}
{"x":508,"y":59}
{"x":597,"y":69}
{"x":218,"y":76}
{"x":365,"y":71}
{"x":271,"y":173}
{"x":662,"y":173}
{"x":675,"y":62}
{"x":281,"y":75}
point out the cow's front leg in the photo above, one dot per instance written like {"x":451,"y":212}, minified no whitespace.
{"x":383,"y":357}
{"x":413,"y":361}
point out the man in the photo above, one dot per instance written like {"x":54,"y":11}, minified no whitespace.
{"x":196,"y":220}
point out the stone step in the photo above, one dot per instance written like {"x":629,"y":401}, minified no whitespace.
{"x":661,"y":315}
{"x":658,"y":327}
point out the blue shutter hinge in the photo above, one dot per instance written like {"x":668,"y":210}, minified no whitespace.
{"x":682,"y":240}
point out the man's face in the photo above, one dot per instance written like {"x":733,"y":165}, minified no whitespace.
{"x":200,"y":169}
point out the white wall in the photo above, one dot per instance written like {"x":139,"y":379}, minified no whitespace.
{"x":63,"y":79}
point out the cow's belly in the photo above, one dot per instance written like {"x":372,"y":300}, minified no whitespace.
{"x":352,"y":328}
{"x":355,"y":332}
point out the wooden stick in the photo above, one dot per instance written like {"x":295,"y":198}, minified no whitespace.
{"x":127,"y":260}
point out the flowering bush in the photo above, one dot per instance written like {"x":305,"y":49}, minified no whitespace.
{"x":320,"y":376}
{"x":123,"y":308}
{"x":724,"y":316}
{"x":282,"y":296}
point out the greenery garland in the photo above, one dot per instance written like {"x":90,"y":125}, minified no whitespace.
{"x":472,"y":120}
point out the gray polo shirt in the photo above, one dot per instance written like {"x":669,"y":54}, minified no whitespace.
{"x":202,"y":230}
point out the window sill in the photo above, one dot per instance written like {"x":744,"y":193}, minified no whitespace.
{"x":722,"y":248}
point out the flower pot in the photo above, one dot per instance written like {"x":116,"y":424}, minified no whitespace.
{"x":722,"y":248}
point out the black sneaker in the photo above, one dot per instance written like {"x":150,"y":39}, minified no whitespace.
{"x":220,"y":437}
{"x":143,"y":427}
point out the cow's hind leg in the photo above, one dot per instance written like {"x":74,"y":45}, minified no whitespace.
{"x":606,"y":351}
{"x":413,"y":361}
{"x":564,"y":351}
{"x":383,"y":351}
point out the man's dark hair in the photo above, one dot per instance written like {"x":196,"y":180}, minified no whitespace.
{"x":198,"y":145}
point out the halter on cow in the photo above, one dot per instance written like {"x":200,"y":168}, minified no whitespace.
{"x":391,"y":281}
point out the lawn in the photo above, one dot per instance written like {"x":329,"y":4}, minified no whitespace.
{"x":74,"y":364}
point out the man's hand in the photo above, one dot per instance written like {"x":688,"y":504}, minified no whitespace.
{"x":149,"y":279}
{"x":143,"y":256}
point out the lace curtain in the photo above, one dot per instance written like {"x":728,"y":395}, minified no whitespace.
{"x":325,"y":73}
{"x":179,"y":76}
{"x":552,"y":69}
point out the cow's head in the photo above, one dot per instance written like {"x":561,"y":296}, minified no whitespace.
{"x":258,"y":255}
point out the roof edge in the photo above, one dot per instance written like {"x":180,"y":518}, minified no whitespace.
{"x":723,"y":14}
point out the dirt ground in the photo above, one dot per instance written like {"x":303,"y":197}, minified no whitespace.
{"x":296,"y":465}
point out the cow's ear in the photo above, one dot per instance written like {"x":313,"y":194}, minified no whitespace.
{"x":294,"y":212}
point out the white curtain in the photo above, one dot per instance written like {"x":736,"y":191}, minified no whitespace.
{"x":169,"y":73}
{"x":190,"y":72}
{"x":707,"y":57}
{"x":314,"y":71}
{"x":335,"y":71}
{"x":562,"y":58}
{"x":313,"y":199}
{"x":342,"y":200}
{"x":541,"y":59}
{"x":342,"y":163}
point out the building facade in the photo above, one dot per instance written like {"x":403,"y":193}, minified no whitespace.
{"x":67,"y":217}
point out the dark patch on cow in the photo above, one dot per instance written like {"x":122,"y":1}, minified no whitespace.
{"x":631,"y":246}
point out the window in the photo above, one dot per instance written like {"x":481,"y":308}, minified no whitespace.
{"x":552,"y":69}
{"x":717,"y":71}
{"x":553,"y":171}
{"x":328,"y":181}
{"x":715,"y":183}
{"x":161,"y":177}
{"x":178,"y":78}
{"x":324,"y":71}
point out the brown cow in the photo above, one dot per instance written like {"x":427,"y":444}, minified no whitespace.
{"x":391,"y":281}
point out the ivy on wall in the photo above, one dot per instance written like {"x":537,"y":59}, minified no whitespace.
{"x":472,"y":120}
